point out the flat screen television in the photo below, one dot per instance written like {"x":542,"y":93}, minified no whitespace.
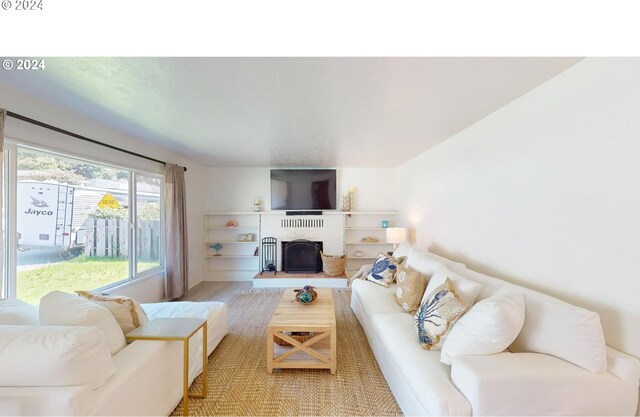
{"x":303,"y":189}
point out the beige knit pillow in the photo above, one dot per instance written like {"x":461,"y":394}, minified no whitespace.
{"x":127,"y":311}
{"x":411,"y":286}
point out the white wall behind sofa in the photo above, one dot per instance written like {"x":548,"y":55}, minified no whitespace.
{"x":545,"y":193}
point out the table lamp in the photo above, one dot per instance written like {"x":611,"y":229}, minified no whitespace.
{"x":396,"y":235}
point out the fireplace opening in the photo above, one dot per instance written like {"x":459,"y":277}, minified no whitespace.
{"x":302,"y":256}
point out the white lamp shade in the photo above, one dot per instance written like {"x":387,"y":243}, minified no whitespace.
{"x":396,"y":235}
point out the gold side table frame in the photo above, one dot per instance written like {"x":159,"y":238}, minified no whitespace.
{"x":177,"y":329}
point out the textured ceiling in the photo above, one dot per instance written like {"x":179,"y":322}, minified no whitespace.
{"x":296,"y":112}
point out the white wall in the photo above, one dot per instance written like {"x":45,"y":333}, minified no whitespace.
{"x":545,"y":193}
{"x":35,"y":108}
{"x":233,"y":189}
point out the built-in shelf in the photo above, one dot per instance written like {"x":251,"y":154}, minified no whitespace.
{"x":236,"y":254}
{"x":231,"y":228}
{"x":230,"y":241}
{"x":232,"y":213}
{"x":368,"y":243}
{"x":363,"y":224}
{"x":372,"y":213}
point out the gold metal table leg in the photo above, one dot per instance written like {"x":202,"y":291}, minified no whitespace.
{"x":185,"y":376}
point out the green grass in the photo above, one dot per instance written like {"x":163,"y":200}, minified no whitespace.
{"x":81,"y":273}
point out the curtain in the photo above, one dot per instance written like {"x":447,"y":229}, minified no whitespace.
{"x":176,"y":250}
{"x":3,"y":115}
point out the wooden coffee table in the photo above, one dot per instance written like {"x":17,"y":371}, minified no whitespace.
{"x":319,"y":352}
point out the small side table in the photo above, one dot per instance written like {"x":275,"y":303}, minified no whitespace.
{"x":179,"y":329}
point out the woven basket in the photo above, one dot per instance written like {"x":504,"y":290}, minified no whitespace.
{"x":333,"y":265}
{"x":299,"y":336}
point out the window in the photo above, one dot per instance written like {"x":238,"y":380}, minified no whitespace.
{"x":148,"y":222}
{"x":73,"y":224}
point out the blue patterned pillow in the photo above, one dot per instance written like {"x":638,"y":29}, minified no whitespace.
{"x":437,"y":314}
{"x":384,"y":269}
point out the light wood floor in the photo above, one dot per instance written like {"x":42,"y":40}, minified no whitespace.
{"x":223,"y":291}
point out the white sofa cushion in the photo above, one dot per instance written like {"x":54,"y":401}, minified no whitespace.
{"x":62,"y":309}
{"x":563,"y":330}
{"x":214,"y":312}
{"x":537,"y":384}
{"x":18,"y":312}
{"x":422,"y":370}
{"x":489,"y":327}
{"x":422,"y":262}
{"x":466,"y":290}
{"x":552,"y":326}
{"x":377,"y":299}
{"x":402,"y":250}
{"x":40,"y":356}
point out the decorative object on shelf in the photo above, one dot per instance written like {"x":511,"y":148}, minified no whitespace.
{"x":242,"y":237}
{"x":217,"y":247}
{"x":306,"y":295}
{"x":396,"y":235}
{"x":348,"y":199}
{"x":251,"y":237}
{"x":358,"y":253}
{"x":232,"y":223}
{"x":297,"y":336}
{"x":255,"y":252}
{"x":257,"y":203}
{"x":369,"y":239}
{"x":333,"y":265}
{"x":385,"y":223}
{"x":268,"y":263}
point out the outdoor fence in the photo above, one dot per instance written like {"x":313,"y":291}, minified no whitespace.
{"x":109,"y":238}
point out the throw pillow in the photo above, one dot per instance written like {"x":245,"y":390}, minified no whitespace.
{"x":411,"y":287}
{"x":62,"y":309}
{"x":18,"y":312}
{"x":127,"y":311}
{"x":438,"y":311}
{"x":466,"y":290}
{"x":489,"y":327}
{"x":361,"y":274}
{"x":384,"y":269}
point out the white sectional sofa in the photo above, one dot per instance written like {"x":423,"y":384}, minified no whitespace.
{"x":558,"y":365}
{"x":77,"y":376}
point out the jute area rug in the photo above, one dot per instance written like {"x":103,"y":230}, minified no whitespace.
{"x":239,"y":384}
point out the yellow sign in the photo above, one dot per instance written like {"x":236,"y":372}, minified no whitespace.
{"x":108,"y":202}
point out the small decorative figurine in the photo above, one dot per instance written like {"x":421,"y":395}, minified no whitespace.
{"x":306,"y":295}
{"x":217,"y":247}
{"x":232,"y":223}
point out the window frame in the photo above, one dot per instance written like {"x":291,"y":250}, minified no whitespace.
{"x":8,"y":287}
